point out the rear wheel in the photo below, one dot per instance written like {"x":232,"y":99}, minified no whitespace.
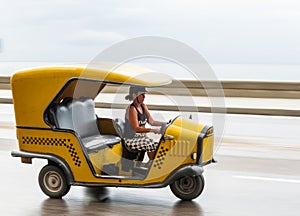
{"x":53,"y":182}
{"x":188,"y":187}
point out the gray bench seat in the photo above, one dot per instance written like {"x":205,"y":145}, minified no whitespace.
{"x":97,"y":142}
{"x":79,"y":116}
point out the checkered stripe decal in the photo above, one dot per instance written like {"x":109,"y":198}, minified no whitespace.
{"x":54,"y":142}
{"x":162,"y":152}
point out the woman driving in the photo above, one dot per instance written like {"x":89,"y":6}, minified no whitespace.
{"x":136,"y":117}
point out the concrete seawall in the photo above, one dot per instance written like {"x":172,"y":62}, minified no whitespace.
{"x":241,"y":97}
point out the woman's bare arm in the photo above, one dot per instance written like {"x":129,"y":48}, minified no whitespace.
{"x":151,"y":121}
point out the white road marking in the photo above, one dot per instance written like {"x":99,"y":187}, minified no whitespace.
{"x":296,"y":181}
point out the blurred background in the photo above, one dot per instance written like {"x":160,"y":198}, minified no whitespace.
{"x":252,"y":47}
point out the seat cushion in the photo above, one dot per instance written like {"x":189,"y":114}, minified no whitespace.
{"x":97,"y":142}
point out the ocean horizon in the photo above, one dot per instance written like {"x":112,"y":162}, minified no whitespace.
{"x":240,"y":72}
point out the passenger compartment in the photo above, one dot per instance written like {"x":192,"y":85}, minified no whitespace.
{"x":79,"y":116}
{"x":101,"y":137}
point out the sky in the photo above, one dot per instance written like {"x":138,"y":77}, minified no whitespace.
{"x":222,"y":31}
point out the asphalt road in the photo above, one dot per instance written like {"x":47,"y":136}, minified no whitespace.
{"x":234,"y":186}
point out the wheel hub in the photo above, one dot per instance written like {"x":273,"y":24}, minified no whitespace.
{"x":186,"y":184}
{"x":53,"y":181}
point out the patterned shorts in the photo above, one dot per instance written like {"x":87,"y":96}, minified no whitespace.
{"x":141,"y":142}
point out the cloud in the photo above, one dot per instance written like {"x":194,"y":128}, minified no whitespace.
{"x":230,"y":31}
{"x":129,"y":12}
{"x":90,"y":37}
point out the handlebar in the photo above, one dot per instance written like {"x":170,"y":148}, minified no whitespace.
{"x":164,"y":126}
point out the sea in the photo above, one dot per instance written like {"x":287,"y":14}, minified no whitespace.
{"x":235,"y":72}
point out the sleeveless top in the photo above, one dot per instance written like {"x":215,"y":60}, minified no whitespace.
{"x":142,"y":119}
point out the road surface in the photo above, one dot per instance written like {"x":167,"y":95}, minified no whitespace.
{"x":258,"y":173}
{"x":234,"y":186}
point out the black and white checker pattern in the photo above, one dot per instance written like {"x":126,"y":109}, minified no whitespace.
{"x":42,"y":141}
{"x":161,"y":154}
{"x":141,"y":142}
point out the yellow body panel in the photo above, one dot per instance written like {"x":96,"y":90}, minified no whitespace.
{"x":188,"y":124}
{"x":61,"y":144}
{"x":171,"y":155}
{"x":65,"y":146}
{"x":208,"y":147}
{"x":183,"y":129}
{"x":106,"y":156}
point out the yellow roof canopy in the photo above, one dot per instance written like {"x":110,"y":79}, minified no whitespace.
{"x":33,"y":89}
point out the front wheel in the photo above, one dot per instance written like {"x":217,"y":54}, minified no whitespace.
{"x":188,"y":187}
{"x":53,"y":182}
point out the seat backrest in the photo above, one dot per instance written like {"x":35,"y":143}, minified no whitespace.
{"x":78,"y":115}
{"x":120,"y":126}
{"x":62,"y":115}
{"x":84,"y":117}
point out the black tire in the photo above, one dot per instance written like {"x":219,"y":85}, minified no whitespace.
{"x":188,"y":188}
{"x":53,"y":182}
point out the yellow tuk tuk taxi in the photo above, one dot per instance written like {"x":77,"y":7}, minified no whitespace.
{"x":56,"y":121}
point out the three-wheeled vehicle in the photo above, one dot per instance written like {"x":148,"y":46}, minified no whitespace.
{"x":56,"y":121}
